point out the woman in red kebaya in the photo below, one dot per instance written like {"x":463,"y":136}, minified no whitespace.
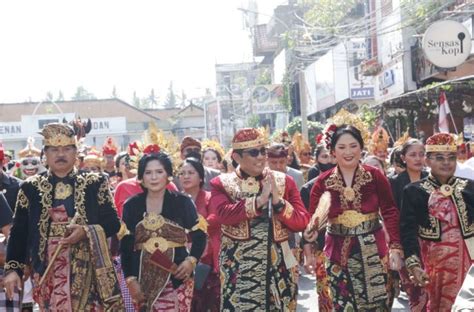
{"x":191,"y":177}
{"x":355,"y":245}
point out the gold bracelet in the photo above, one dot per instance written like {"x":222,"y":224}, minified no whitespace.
{"x":129,"y":279}
{"x":193,"y":261}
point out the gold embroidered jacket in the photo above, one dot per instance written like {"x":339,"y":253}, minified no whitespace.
{"x":416,"y":221}
{"x":233,"y":197}
{"x":31,"y":223}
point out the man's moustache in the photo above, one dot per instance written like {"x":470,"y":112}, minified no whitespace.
{"x":61,"y":160}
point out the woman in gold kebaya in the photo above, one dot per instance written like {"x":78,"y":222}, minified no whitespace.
{"x":155,"y":262}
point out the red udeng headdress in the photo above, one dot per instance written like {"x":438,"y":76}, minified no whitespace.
{"x":249,"y":137}
{"x":441,"y":142}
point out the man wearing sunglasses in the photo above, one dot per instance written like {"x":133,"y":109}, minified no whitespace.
{"x":191,"y":147}
{"x":437,"y":225}
{"x":255,"y":257}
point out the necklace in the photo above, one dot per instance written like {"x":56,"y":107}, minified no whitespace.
{"x":349,"y":193}
{"x":446,"y":190}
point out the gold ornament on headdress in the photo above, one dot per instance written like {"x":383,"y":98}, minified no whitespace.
{"x":168,"y":143}
{"x":58,"y":134}
{"x":282,"y":137}
{"x":250,"y":137}
{"x":30,"y":150}
{"x":380,"y":140}
{"x":459,"y":139}
{"x":93,"y":158}
{"x":403,"y":139}
{"x":213,"y":144}
{"x":343,"y":117}
{"x":299,"y":143}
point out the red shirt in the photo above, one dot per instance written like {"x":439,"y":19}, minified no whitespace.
{"x":128,"y":188}
{"x":211,"y":254}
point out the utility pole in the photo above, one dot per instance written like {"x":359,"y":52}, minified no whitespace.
{"x":303,"y":106}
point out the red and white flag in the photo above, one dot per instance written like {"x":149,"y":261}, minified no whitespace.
{"x":444,"y":111}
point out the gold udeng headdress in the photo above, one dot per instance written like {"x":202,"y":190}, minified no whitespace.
{"x":441,"y":142}
{"x":343,"y":117}
{"x":250,"y":137}
{"x":58,"y":134}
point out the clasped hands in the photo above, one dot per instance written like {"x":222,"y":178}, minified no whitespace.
{"x":269,"y":188}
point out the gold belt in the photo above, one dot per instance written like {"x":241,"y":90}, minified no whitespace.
{"x":353,"y":218}
{"x":161,"y":243}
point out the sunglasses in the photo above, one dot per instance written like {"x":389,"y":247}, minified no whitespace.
{"x":254,"y":152}
{"x":306,"y":154}
{"x":440,"y":158}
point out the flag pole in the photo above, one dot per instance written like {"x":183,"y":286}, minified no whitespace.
{"x":454,"y":124}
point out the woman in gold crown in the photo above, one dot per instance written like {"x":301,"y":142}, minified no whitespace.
{"x":155,"y":262}
{"x":355,"y":246}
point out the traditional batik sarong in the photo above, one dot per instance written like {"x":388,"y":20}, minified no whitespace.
{"x":362,"y":284}
{"x":244,"y":279}
{"x":175,"y":300}
{"x":156,"y":232}
{"x":82,"y":277}
{"x":447,"y":261}
{"x":322,"y":283}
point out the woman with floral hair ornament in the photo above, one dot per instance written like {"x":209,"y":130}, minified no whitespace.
{"x":358,"y":254}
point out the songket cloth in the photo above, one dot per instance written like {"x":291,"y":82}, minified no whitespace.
{"x":322,"y":284}
{"x":175,"y":300}
{"x":446,"y":262}
{"x":87,"y":263}
{"x":245,"y":274}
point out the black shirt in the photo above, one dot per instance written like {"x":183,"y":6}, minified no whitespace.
{"x":5,"y":212}
{"x":9,"y":186}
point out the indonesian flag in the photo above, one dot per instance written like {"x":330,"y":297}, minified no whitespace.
{"x":444,"y":111}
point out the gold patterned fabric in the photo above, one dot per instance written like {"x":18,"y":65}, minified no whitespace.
{"x":238,"y":189}
{"x":167,"y":235}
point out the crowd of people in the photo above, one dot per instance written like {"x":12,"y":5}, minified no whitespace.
{"x":158,"y":227}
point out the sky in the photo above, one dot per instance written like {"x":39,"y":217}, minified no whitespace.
{"x":53,"y":45}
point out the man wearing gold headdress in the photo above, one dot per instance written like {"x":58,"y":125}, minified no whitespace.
{"x":437,"y":225}
{"x":255,"y":255}
{"x":93,"y":161}
{"x":59,"y":229}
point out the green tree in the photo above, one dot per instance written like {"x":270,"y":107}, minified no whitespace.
{"x":170,"y":101}
{"x":49,"y":96}
{"x":314,"y":128}
{"x":136,"y":100}
{"x":152,"y":99}
{"x":253,"y":121}
{"x":83,"y":94}
{"x":60,"y":96}
{"x":183,"y":98}
{"x":114,"y":93}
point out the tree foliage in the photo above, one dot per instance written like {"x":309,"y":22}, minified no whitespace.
{"x":328,"y":13}
{"x":83,"y":94}
{"x":170,"y":101}
{"x":314,"y":128}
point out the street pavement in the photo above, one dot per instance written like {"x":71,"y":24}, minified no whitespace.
{"x":308,"y":298}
